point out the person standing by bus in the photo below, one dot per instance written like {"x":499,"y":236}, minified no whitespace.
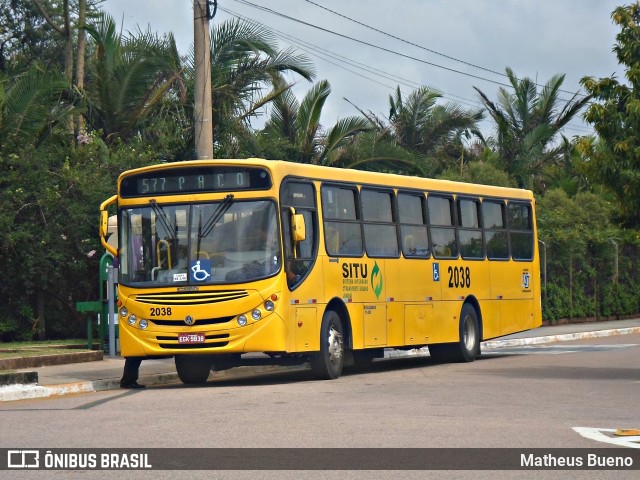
{"x":131,"y":372}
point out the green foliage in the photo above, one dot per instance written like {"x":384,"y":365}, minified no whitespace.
{"x":479,"y":172}
{"x":526,"y":124}
{"x":616,"y":118}
{"x":31,"y":107}
{"x":245,"y":61}
{"x":128,"y":78}
{"x":26,"y":38}
{"x":583,"y":247}
{"x":297,"y":125}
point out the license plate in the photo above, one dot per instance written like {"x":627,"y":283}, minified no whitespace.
{"x":191,"y":338}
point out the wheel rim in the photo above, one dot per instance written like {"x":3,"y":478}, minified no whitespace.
{"x":335,"y":346}
{"x":469,"y":333}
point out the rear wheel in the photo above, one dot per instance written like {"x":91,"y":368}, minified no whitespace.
{"x":193,"y":369}
{"x":328,"y":362}
{"x":468,"y":347}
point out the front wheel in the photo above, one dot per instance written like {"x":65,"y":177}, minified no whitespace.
{"x":328,"y":362}
{"x":193,"y":369}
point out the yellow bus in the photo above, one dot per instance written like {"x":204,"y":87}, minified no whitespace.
{"x":218,"y":259}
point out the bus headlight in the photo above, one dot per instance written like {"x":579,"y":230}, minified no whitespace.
{"x":132,"y":319}
{"x":124,"y":312}
{"x":256,"y":314}
{"x":143,"y":324}
{"x":242,"y":320}
{"x":269,"y":306}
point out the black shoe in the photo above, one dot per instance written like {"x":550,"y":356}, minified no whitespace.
{"x":131,"y":385}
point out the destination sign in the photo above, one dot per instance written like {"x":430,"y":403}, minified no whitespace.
{"x":199,"y":179}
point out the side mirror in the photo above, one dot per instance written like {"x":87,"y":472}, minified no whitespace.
{"x":104,"y":223}
{"x":298,"y":229}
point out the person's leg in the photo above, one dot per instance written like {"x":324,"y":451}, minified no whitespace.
{"x":131,"y":372}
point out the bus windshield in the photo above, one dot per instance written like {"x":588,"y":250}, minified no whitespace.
{"x":199,"y":244}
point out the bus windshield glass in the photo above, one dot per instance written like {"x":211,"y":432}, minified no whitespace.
{"x":199,"y":244}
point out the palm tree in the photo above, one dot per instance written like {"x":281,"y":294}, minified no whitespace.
{"x":299,"y":124}
{"x":421,"y":124}
{"x":527,"y":122}
{"x":31,"y":106}
{"x":128,"y":78}
{"x":246,"y":63}
{"x":421,"y":136}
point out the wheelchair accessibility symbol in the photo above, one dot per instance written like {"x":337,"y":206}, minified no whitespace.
{"x":436,"y":272}
{"x":200,"y":270}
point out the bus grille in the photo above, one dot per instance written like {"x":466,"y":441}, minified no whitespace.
{"x":180,"y":323}
{"x":191,"y":298}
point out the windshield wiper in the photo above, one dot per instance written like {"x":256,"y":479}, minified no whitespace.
{"x":162,"y":217}
{"x":216,"y":216}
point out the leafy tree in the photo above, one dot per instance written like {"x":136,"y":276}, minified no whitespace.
{"x":483,"y":173}
{"x":527,"y":122}
{"x":615,"y":115}
{"x":578,"y":234}
{"x":25,"y":38}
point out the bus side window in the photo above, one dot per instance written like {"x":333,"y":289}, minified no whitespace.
{"x":520,"y":231}
{"x":442,"y":226}
{"x":342,"y":228}
{"x":469,"y":231}
{"x":413,"y":226}
{"x":495,"y":230}
{"x":380,"y":233}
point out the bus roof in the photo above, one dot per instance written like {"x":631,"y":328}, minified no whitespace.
{"x":281,"y":169}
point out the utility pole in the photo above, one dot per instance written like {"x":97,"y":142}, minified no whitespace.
{"x":202,"y":55}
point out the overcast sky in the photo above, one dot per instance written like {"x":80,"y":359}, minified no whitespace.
{"x":459,"y":44}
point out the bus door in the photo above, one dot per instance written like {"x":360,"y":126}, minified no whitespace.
{"x":303,"y":277}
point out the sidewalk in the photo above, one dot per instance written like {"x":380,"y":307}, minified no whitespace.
{"x":105,"y":374}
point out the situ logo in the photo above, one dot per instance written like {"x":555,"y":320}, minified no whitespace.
{"x":359,"y":274}
{"x":376,"y":280}
{"x":23,"y":459}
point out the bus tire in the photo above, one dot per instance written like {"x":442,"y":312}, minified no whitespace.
{"x":467,"y":348}
{"x":328,"y":362}
{"x":193,"y":369}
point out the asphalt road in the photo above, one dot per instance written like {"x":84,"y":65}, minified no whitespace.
{"x":565,"y":395}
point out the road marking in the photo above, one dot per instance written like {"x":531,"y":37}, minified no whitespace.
{"x":608,"y":435}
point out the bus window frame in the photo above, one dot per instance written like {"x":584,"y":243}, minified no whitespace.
{"x":502,"y":202}
{"x":393,"y":223}
{"x":287,"y":239}
{"x":425,"y":222}
{"x":530,"y":231}
{"x":358,"y":220}
{"x":479,"y":228}
{"x":453,"y":215}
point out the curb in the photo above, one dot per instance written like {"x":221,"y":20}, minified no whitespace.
{"x":54,"y":359}
{"x":24,"y":392}
{"x":10,"y":378}
{"x":566,"y":337}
